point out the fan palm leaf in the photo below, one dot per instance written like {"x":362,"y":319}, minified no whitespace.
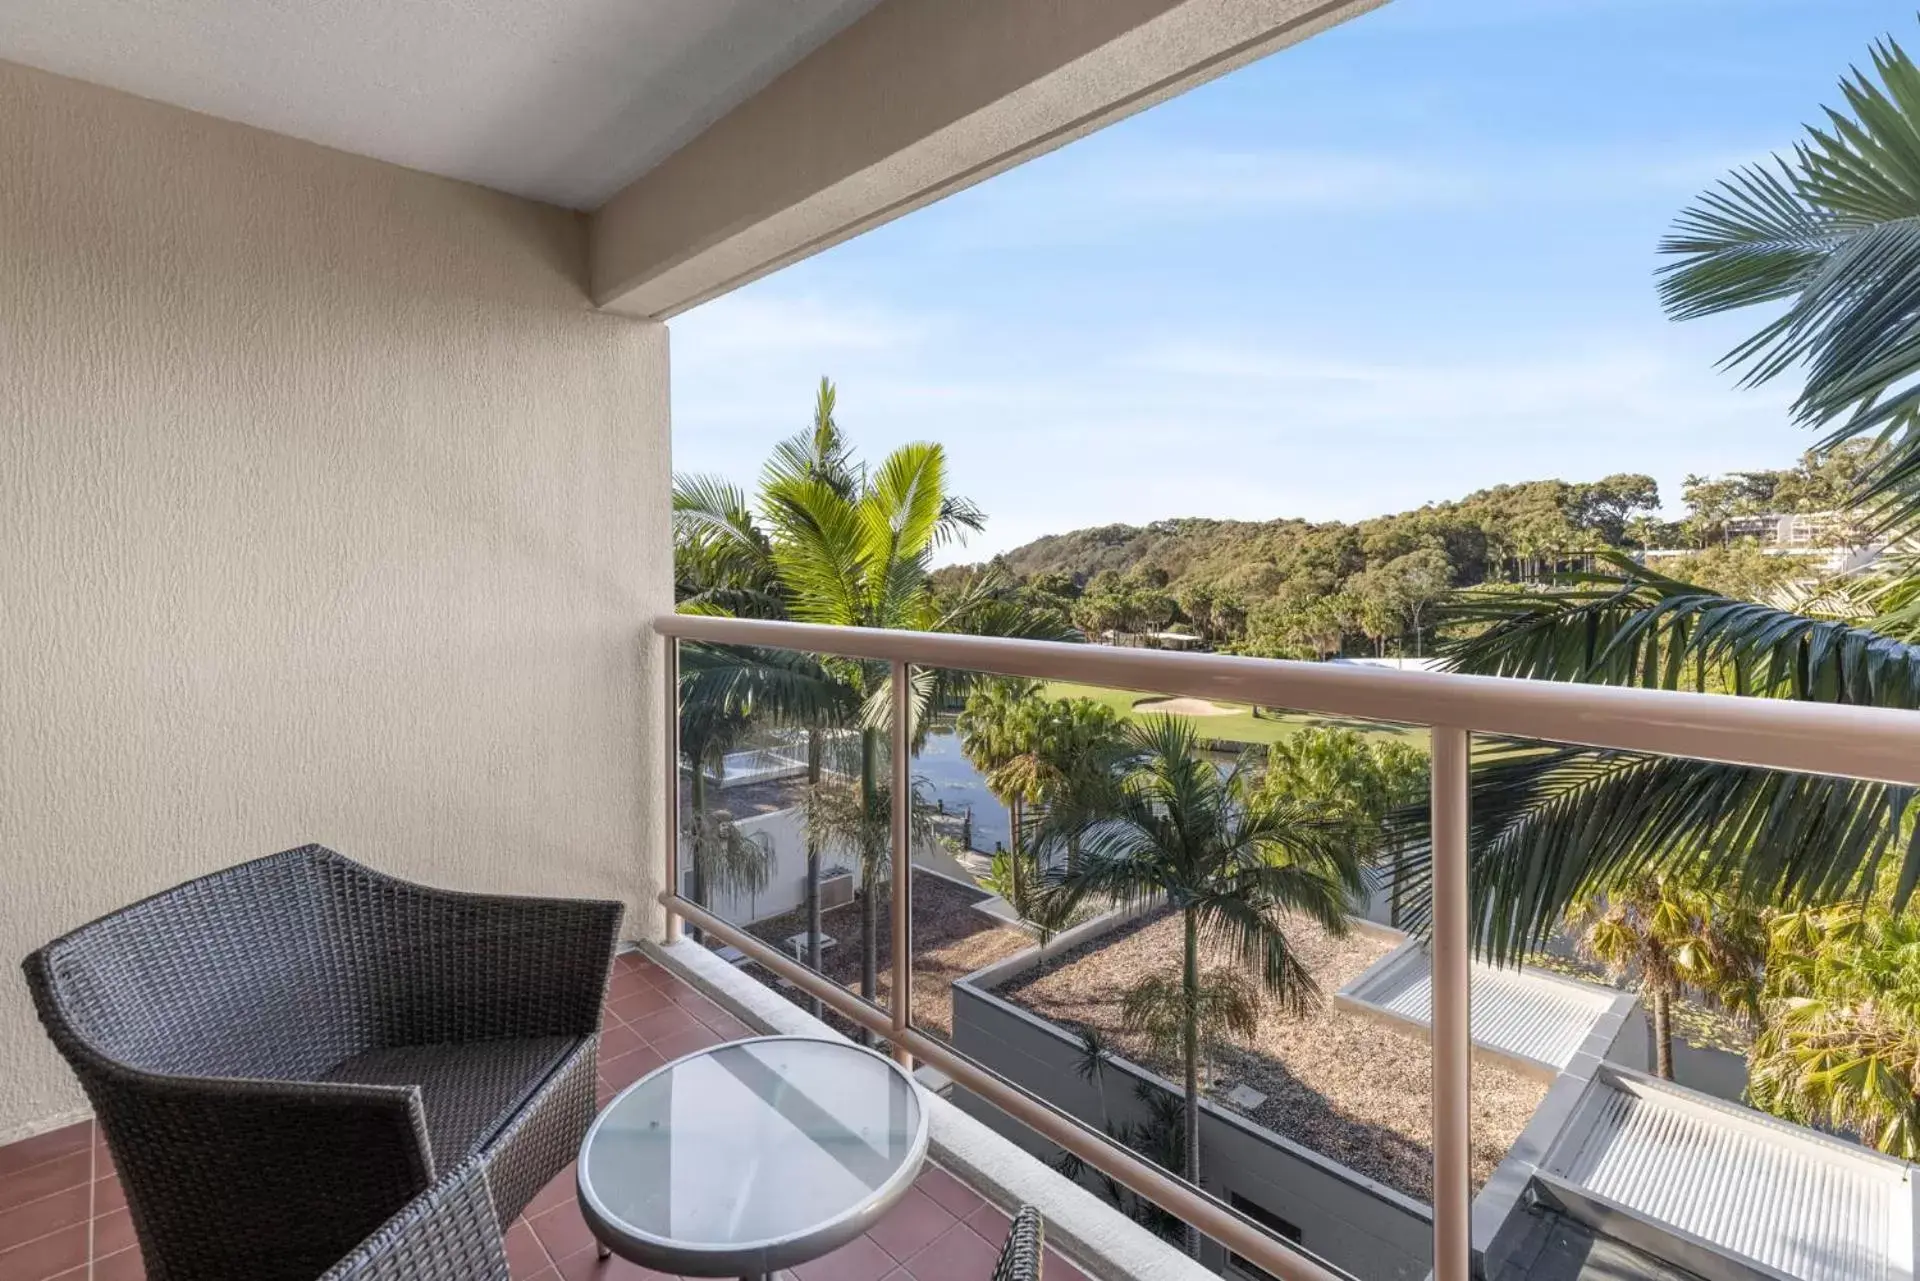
{"x":1834,"y":232}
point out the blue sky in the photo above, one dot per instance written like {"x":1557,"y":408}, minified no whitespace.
{"x":1407,"y":259}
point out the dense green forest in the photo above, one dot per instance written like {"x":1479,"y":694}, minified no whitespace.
{"x":1297,"y":588}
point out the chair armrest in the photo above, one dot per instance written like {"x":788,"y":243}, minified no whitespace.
{"x":452,"y":967}
{"x":1020,"y":1257}
{"x":447,"y":1233}
{"x":222,"y":1173}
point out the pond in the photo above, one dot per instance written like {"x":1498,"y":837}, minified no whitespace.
{"x":946,"y":777}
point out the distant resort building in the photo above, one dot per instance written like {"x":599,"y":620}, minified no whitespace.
{"x":1828,"y":541}
{"x":1152,"y":640}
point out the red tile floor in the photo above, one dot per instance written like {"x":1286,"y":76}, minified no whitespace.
{"x":64,"y":1218}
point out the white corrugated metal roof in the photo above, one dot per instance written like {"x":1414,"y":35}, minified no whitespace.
{"x":1518,"y":1012}
{"x":1782,"y":1196}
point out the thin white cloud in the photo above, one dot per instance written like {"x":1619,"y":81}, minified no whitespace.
{"x":1504,"y":15}
{"x":1186,"y":181}
{"x":1095,"y":194}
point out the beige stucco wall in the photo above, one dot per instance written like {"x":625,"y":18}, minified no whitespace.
{"x":329,"y":510}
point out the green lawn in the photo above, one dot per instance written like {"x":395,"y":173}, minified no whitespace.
{"x":1240,"y":727}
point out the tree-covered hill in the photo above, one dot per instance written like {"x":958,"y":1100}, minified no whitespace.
{"x":1298,"y":588}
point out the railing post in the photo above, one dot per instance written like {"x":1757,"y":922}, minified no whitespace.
{"x":670,"y":748}
{"x":902,"y":897}
{"x":1452,"y":1029}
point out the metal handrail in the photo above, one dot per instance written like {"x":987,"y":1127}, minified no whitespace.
{"x":1859,"y":742}
{"x":1809,"y":738}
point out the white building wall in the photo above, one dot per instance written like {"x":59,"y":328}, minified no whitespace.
{"x":785,"y":837}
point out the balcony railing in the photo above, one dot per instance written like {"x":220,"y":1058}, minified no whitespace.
{"x":1865,"y":743}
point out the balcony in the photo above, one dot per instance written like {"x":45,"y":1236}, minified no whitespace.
{"x":1432,"y":1114}
{"x":336,"y":506}
{"x":1335,"y":1142}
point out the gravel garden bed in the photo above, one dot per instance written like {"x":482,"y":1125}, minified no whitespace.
{"x":1337,"y":1082}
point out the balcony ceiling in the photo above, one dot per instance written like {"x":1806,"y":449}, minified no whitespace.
{"x":560,"y":100}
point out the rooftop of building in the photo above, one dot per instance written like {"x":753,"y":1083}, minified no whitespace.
{"x":1687,"y":1176}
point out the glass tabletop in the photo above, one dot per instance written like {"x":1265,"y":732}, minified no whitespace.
{"x":757,"y":1144}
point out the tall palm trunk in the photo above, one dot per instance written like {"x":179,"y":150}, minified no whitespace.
{"x":813,"y":869}
{"x":697,"y":792}
{"x":869,"y":874}
{"x":1190,"y":1048}
{"x":1013,"y":843}
{"x":1663,"y":1033}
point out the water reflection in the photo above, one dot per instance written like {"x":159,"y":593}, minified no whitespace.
{"x":949,"y":779}
{"x":955,"y":784}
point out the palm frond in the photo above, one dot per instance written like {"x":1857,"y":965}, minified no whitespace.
{"x":767,"y":686}
{"x":819,"y":453}
{"x":1750,"y":239}
{"x":1635,"y":626}
{"x":900,"y":511}
{"x":958,"y":518}
{"x":725,"y":859}
{"x":713,"y":508}
{"x":1249,"y":932}
{"x":1551,"y":825}
{"x":818,"y":551}
{"x":1835,"y":232}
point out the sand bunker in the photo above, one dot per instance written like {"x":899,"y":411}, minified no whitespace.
{"x":1184,"y":707}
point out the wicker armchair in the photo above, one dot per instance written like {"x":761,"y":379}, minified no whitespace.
{"x":298,"y":1054}
{"x":1021,"y":1256}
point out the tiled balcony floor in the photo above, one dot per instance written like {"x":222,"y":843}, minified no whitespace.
{"x":63,"y":1217}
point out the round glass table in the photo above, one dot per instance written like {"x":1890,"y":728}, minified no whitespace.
{"x":752,"y":1156}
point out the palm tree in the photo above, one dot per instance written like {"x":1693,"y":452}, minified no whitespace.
{"x":1840,"y":1046}
{"x":1054,"y":754}
{"x":1000,"y":731}
{"x":1091,"y":1067}
{"x":864,"y":560}
{"x":1345,"y":775}
{"x":859,"y":818}
{"x":1833,"y":232}
{"x":1225,"y":1005}
{"x":724,"y":859}
{"x":1671,"y":936}
{"x":723,"y":564}
{"x":1080,"y":741}
{"x":836,"y":543}
{"x":1175,"y":829}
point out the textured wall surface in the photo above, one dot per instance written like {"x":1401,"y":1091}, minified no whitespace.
{"x":329,"y":510}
